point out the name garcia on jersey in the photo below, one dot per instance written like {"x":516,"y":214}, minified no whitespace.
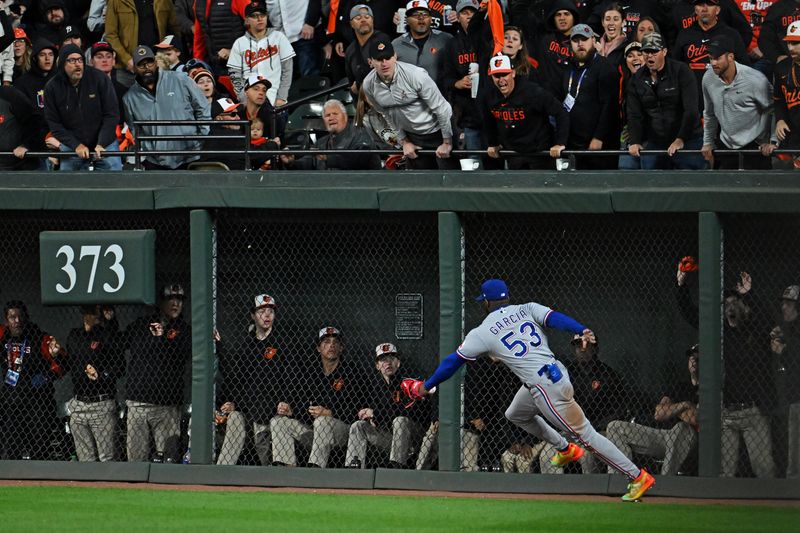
{"x":509,"y":321}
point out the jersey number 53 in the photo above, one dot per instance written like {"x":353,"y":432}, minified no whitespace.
{"x":527,"y":329}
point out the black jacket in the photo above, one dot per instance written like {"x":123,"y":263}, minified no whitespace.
{"x":599,"y":391}
{"x":779,"y":17}
{"x":458,"y":54}
{"x":683,"y":17}
{"x":520,"y":122}
{"x":157,"y":366}
{"x":87,"y":114}
{"x":786,"y":93}
{"x":691,"y":47}
{"x":20,"y":125}
{"x":352,"y":138}
{"x":666,"y":110}
{"x":595,"y":113}
{"x":356,"y":60}
{"x":342,"y":391}
{"x":553,"y":50}
{"x":33,"y":82}
{"x":220,"y":26}
{"x":29,"y":355}
{"x":96,"y":348}
{"x":254,"y":374}
{"x":388,"y":402}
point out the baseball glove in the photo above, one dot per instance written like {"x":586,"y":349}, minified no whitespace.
{"x":688,"y":264}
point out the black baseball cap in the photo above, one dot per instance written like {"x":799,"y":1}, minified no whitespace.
{"x":720,"y":46}
{"x":381,"y":48}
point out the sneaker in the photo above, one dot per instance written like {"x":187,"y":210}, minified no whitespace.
{"x":639,"y":486}
{"x":573,"y":453}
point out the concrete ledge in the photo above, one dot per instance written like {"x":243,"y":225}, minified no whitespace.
{"x":74,"y":471}
{"x":491,"y":482}
{"x":260,"y":476}
{"x":334,"y":478}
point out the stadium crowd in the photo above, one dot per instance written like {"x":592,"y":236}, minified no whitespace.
{"x":518,"y":80}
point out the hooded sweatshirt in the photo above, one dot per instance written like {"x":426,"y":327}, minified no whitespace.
{"x":553,"y":51}
{"x":779,"y":17}
{"x":84,"y":114}
{"x":32,"y":84}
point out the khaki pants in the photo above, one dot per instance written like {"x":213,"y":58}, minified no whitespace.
{"x":672,"y":445}
{"x":516,"y":462}
{"x":93,"y":427}
{"x":429,"y":449}
{"x":327,"y":432}
{"x":793,"y":468}
{"x":398,"y":441}
{"x":163,"y":421}
{"x":751,"y":424}
{"x":235,"y":437}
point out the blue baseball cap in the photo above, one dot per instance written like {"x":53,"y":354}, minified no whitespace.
{"x":493,"y":289}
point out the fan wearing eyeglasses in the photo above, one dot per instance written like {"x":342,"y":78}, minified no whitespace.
{"x":82,"y":112}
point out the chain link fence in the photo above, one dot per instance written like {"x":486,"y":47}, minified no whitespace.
{"x":322,"y":313}
{"x":617,"y":275}
{"x":306,"y":305}
{"x":70,"y":402}
{"x":761,"y":343}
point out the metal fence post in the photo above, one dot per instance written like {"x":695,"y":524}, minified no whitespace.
{"x":202,"y":340}
{"x":451,"y":320}
{"x":710,"y":334}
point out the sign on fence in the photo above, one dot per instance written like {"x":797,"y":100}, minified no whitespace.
{"x":83,"y":267}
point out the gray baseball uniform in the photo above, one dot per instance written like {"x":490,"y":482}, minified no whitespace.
{"x":514,"y":334}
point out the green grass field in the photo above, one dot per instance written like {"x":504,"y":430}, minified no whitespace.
{"x":87,"y":509}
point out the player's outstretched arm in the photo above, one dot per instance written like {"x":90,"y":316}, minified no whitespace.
{"x":417,"y":389}
{"x":564,"y":323}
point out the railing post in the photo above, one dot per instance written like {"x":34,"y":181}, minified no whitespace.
{"x":202,"y":340}
{"x":451,"y":324}
{"x":711,"y":349}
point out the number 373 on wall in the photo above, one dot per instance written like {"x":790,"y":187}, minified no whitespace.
{"x":79,"y":267}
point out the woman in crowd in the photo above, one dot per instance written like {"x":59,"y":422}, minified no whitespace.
{"x":22,"y":53}
{"x":634,"y":60}
{"x":515,"y":48}
{"x":643,"y":27}
{"x":208,"y":85}
{"x":612,"y":43}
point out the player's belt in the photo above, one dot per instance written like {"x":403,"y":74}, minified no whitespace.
{"x":95,"y":398}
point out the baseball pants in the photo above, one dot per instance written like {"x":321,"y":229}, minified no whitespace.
{"x":672,"y":445}
{"x":429,"y":449}
{"x":397,"y":441}
{"x":93,"y":427}
{"x":163,"y":421}
{"x":556,"y":403}
{"x":327,"y":432}
{"x":235,"y":437}
{"x":753,"y":426}
{"x":793,"y":467}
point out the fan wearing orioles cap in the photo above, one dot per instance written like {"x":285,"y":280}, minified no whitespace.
{"x":787,"y":96}
{"x":252,"y":367}
{"x":389,"y":424}
{"x":516,"y":118}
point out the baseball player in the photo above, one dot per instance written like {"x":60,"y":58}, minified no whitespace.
{"x":514,"y":334}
